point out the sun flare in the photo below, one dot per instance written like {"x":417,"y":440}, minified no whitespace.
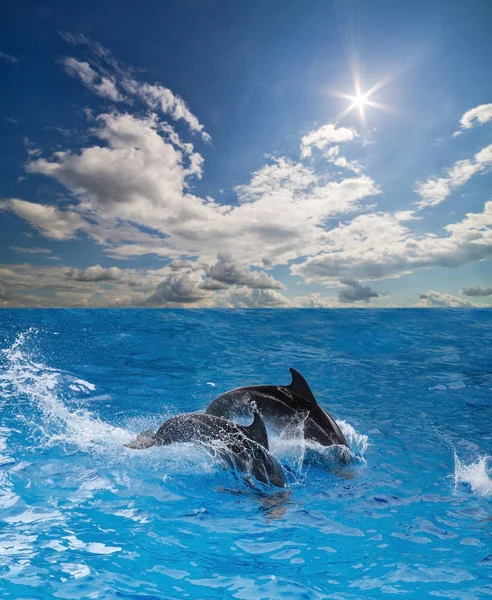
{"x":359,"y":100}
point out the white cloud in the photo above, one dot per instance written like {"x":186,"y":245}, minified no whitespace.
{"x":433,"y":299}
{"x":379,"y":246}
{"x":351,"y":165}
{"x":178,"y":288}
{"x":476,"y":291}
{"x":104,"y":81}
{"x":434,"y":191}
{"x":140,"y":176}
{"x":256,"y":298}
{"x":158,"y":96}
{"x":95,"y":274}
{"x":354,"y":291}
{"x":184,"y":265}
{"x":8,"y":57}
{"x":324,"y":135}
{"x":475,"y":116}
{"x":50,"y":221}
{"x":231,"y":272}
{"x":21,"y":250}
{"x":315,"y":301}
{"x":98,"y":84}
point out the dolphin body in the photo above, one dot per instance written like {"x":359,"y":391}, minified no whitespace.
{"x":242,"y":448}
{"x":282,"y":406}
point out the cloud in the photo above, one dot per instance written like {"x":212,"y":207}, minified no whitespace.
{"x":354,"y":291}
{"x":256,"y":298}
{"x":9,"y":57}
{"x":50,"y":221}
{"x":95,"y":274}
{"x":96,"y":83}
{"x":433,"y":299}
{"x":30,"y":250}
{"x":475,"y":116}
{"x":477,"y":291}
{"x":351,"y":165}
{"x":379,"y":246}
{"x":315,"y":301}
{"x":105,"y":75}
{"x":140,"y":176}
{"x":230,"y":272}
{"x":184,"y":265}
{"x":434,"y":191}
{"x":326,"y":134}
{"x":178,"y":288}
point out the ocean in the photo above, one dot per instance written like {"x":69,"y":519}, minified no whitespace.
{"x":83,"y":517}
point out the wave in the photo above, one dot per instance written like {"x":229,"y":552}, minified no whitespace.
{"x":43,"y":388}
{"x":46,"y":400}
{"x":476,"y":475}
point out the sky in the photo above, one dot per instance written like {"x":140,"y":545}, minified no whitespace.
{"x":205,"y":153}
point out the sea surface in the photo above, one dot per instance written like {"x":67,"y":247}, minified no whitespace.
{"x":83,"y":517}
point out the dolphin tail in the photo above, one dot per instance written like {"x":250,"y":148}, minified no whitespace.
{"x":256,"y":431}
{"x":146,"y":439}
{"x":301,"y":387}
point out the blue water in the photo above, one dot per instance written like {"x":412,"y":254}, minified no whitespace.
{"x":83,"y":517}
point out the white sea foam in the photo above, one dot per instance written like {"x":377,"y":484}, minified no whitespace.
{"x":476,"y":475}
{"x":294,"y":449}
{"x":43,"y":387}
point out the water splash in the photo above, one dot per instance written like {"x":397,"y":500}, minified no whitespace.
{"x":37,"y":387}
{"x":476,"y":475}
{"x":295,"y":450}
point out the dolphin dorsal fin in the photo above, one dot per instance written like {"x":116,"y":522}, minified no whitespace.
{"x":256,"y":431}
{"x":301,"y":387}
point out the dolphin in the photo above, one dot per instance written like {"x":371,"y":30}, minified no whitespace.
{"x":281,"y":406}
{"x":242,"y":448}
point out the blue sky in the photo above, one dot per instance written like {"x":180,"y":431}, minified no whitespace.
{"x":218,"y":154}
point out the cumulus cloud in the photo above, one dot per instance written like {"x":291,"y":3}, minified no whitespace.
{"x":184,"y":265}
{"x":433,"y":299}
{"x":231,"y":272}
{"x":325,"y":135}
{"x":475,"y":116}
{"x":351,"y":165}
{"x":95,"y":274}
{"x":178,"y":288}
{"x":96,"y":83}
{"x":315,"y":301}
{"x":434,"y":191}
{"x":354,"y":291}
{"x":476,"y":291}
{"x":140,"y":176}
{"x":256,"y":298}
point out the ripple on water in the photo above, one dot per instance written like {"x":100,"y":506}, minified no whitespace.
{"x":83,"y":517}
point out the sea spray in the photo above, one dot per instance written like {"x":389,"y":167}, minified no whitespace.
{"x":476,"y":475}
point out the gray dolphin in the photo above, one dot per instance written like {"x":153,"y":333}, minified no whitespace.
{"x":282,"y":406}
{"x":242,"y":448}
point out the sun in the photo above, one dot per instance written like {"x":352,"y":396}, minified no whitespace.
{"x":359,"y":100}
{"x":362,"y":100}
